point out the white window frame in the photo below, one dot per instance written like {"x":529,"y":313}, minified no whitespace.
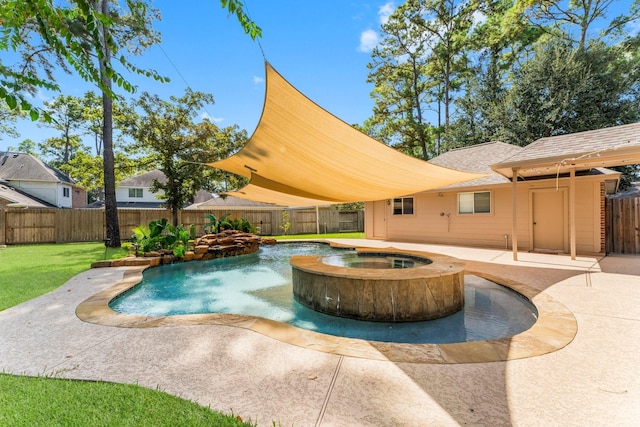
{"x":66,"y":192}
{"x":136,"y":193}
{"x":401,"y":200}
{"x":470,"y":202}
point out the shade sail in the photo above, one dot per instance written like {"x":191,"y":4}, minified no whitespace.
{"x":300,"y":150}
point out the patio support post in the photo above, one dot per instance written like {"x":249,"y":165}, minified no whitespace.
{"x":572,"y":212}
{"x":514,"y":226}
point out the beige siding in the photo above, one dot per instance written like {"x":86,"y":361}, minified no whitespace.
{"x":436,"y":218}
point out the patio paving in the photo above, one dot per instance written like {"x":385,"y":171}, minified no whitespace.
{"x":594,"y":380}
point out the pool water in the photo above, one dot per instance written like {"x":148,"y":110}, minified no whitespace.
{"x":259,"y":284}
{"x":374,"y":260}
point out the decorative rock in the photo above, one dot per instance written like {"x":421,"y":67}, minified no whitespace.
{"x":210,"y":246}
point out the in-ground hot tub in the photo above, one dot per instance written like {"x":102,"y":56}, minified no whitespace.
{"x":387,"y":285}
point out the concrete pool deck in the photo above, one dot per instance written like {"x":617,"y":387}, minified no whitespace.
{"x":593,"y":380}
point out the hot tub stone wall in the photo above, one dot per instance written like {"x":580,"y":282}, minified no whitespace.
{"x":389,"y":295}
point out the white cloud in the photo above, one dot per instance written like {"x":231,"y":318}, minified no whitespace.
{"x":206,"y":116}
{"x":258,"y":80}
{"x":368,"y":40}
{"x":385,"y":11}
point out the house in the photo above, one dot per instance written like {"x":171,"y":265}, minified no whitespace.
{"x":29,"y":182}
{"x":556,"y":204}
{"x":135,"y":192}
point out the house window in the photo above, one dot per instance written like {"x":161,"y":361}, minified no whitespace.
{"x":403,"y":206}
{"x":135,"y":193}
{"x":473,"y":203}
{"x":65,"y":192}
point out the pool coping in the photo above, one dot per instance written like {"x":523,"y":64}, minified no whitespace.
{"x":555,"y":328}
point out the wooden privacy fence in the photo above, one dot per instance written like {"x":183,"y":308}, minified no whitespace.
{"x":622,"y":218}
{"x":88,"y":225}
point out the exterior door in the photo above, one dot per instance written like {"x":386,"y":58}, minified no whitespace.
{"x":380,"y":219}
{"x":549,"y":220}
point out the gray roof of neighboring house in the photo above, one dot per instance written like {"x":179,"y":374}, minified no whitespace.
{"x":25,"y":167}
{"x":477,"y":158}
{"x":230,"y":202}
{"x":573,"y":144}
{"x":18,"y":197}
{"x":144,"y":180}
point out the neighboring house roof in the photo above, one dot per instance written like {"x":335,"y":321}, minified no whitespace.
{"x":25,"y":167}
{"x":231,"y":203}
{"x":18,"y":198}
{"x":99,"y":204}
{"x":612,"y":146}
{"x":144,"y":180}
{"x":477,"y":158}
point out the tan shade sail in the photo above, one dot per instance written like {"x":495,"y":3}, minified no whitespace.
{"x":299,"y":149}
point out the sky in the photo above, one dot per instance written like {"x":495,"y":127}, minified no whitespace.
{"x":321,"y":47}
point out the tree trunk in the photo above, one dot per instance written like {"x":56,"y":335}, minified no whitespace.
{"x":110,"y":204}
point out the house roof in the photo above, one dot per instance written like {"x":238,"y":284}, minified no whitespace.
{"x":144,"y":180}
{"x":612,"y":146}
{"x":25,"y":167}
{"x":478,"y":159}
{"x":18,"y":198}
{"x":231,"y":203}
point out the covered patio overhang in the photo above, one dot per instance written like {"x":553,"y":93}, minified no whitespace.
{"x":567,"y":154}
{"x":301,"y":155}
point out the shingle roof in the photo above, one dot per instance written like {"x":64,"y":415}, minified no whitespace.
{"x":612,"y":146}
{"x":230,"y":202}
{"x":25,"y":167}
{"x":477,"y":158}
{"x":575,"y":144}
{"x":13,"y":195}
{"x":144,"y":180}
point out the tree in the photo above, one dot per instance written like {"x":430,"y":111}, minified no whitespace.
{"x":563,"y":89}
{"x":67,"y":115}
{"x":49,"y":34}
{"x":575,"y":19}
{"x":80,"y":36}
{"x":26,"y":146}
{"x":167,"y":130}
{"x":8,"y":119}
{"x":401,"y":89}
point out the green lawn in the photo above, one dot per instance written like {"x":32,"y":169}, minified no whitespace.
{"x":23,"y":278}
{"x":32,"y":270}
{"x":321,"y":236}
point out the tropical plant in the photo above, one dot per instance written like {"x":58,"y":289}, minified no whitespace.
{"x":162,"y":235}
{"x":241,"y":224}
{"x":216,"y":224}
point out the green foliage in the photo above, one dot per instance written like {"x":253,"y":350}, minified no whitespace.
{"x":32,"y":401}
{"x":166,"y":131}
{"x":160,"y":235}
{"x":241,"y":224}
{"x":215,"y":224}
{"x":286,"y":223}
{"x":49,"y":267}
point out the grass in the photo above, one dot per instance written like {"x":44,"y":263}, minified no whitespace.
{"x":23,"y":279}
{"x":33,"y":401}
{"x":32,"y":270}
{"x":321,"y":236}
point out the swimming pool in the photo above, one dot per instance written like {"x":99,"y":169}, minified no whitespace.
{"x":260,"y":285}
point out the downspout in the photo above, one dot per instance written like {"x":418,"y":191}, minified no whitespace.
{"x":514,"y":226}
